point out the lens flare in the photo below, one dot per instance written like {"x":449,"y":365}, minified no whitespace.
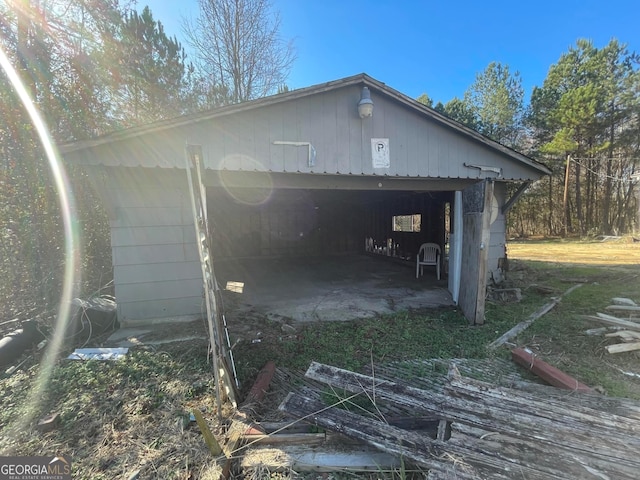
{"x":252,"y":186}
{"x":68,"y":210}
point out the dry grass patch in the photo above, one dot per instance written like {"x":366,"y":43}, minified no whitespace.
{"x":606,"y":270}
{"x":117,"y":418}
{"x":612,"y":252}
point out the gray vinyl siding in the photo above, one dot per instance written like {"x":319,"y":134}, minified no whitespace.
{"x":157,"y":271}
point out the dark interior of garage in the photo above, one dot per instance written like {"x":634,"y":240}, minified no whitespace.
{"x":303,"y":223}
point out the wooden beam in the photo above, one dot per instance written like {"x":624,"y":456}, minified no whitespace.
{"x":329,"y":458}
{"x":261,"y":384}
{"x":516,"y":195}
{"x":548,"y":373}
{"x":623,"y":347}
{"x":285,"y":438}
{"x":618,"y":322}
{"x":522,"y":326}
{"x":624,"y":308}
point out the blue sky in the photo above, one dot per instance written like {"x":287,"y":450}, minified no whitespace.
{"x":433,"y":47}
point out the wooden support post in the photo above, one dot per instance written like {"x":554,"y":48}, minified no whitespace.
{"x":483,"y":257}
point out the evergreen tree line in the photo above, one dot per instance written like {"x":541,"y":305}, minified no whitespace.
{"x":583,"y":123}
{"x":92,"y":67}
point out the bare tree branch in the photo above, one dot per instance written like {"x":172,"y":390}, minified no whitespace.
{"x":238,"y":48}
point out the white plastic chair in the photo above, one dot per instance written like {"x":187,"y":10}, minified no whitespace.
{"x":429,"y":254}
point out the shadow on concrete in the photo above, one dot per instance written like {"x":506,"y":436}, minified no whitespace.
{"x":327,"y":288}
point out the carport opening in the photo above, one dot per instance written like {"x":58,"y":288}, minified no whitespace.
{"x":290,"y":223}
{"x":305,"y":254}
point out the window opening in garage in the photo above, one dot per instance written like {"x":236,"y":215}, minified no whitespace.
{"x":407,"y":223}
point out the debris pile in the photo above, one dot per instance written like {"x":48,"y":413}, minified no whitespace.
{"x":484,"y":430}
{"x":625,"y":329}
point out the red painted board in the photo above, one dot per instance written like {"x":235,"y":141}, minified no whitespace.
{"x":261,"y":385}
{"x":548,"y":373}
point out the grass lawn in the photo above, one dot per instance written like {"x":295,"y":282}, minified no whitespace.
{"x":606,"y":270}
{"x":120,"y":417}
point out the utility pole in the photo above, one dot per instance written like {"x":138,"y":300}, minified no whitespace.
{"x":636,"y":178}
{"x":566,"y":192}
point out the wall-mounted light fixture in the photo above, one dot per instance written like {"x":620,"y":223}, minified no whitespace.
{"x":365,"y":105}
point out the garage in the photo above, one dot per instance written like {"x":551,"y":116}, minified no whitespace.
{"x":346,"y":169}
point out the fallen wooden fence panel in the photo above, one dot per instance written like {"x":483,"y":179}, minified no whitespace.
{"x":577,"y":441}
{"x":410,"y":445}
{"x":557,"y":462}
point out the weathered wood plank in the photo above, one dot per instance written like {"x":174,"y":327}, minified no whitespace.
{"x":601,"y":330}
{"x":623,"y":334}
{"x":415,"y":447}
{"x":624,"y":308}
{"x":261,"y":384}
{"x":285,"y":438}
{"x":622,"y":407}
{"x":520,"y":414}
{"x":626,"y":335}
{"x":560,"y":414}
{"x":562,"y":460}
{"x":623,"y":301}
{"x":519,"y":328}
{"x":344,"y":458}
{"x":623,"y":347}
{"x":618,"y":322}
